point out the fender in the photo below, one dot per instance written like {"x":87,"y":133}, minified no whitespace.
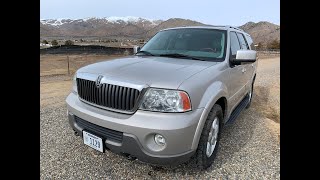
{"x":210,"y":97}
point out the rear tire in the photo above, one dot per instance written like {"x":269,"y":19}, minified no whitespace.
{"x":204,"y":156}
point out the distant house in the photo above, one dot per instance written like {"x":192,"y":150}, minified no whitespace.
{"x":46,"y":45}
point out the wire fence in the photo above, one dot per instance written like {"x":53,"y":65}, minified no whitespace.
{"x":268,"y":53}
{"x":54,"y":65}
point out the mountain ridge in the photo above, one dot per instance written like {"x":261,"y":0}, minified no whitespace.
{"x":137,"y":27}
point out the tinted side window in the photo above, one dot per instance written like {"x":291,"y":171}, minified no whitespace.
{"x":250,"y":42}
{"x":235,"y":46}
{"x":243,"y":42}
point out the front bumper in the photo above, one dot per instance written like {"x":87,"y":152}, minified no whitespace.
{"x":138,"y":131}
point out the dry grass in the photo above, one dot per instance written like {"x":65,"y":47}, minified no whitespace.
{"x":263,"y":104}
{"x":271,"y":113}
{"x":55,"y":83}
{"x":58,"y":64}
{"x":266,"y":100}
{"x":53,"y":93}
{"x":274,"y":129}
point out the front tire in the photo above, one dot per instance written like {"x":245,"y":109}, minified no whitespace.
{"x":209,"y":139}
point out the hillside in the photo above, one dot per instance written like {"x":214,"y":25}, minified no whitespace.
{"x":170,"y":23}
{"x":263,"y":31}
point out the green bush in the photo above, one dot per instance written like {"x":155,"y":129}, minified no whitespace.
{"x":54,"y":43}
{"x":68,"y":42}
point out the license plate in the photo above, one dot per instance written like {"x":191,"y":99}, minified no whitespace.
{"x":93,"y":141}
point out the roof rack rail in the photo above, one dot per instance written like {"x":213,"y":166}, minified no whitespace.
{"x":235,"y":28}
{"x":228,"y":26}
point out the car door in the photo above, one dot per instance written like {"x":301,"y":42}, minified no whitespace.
{"x":249,"y":66}
{"x":237,"y":73}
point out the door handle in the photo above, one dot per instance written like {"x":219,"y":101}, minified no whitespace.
{"x":244,"y":70}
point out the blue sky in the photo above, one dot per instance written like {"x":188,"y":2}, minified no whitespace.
{"x":222,"y":12}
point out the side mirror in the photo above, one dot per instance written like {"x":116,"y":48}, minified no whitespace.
{"x":245,"y":56}
{"x":136,"y":49}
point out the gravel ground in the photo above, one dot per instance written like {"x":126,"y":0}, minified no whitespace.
{"x":248,"y":149}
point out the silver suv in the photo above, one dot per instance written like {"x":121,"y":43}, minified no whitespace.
{"x":168,"y":103}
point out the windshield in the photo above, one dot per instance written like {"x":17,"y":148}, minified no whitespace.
{"x":203,"y":44}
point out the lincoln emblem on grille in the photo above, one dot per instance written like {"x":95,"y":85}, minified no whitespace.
{"x":98,"y":81}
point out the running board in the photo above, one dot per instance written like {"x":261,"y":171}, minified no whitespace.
{"x":236,"y":112}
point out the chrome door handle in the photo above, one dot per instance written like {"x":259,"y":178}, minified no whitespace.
{"x":243,"y":70}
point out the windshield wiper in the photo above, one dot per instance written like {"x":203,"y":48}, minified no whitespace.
{"x":145,"y":52}
{"x":177,"y":55}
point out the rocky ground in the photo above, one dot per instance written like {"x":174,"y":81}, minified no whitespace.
{"x":249,"y":148}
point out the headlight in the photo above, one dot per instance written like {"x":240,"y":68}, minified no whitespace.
{"x":166,"y":101}
{"x":74,"y":84}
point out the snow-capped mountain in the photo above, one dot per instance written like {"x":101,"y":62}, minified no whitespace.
{"x":112,"y":19}
{"x":109,"y":26}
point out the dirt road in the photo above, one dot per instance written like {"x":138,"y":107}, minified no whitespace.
{"x":249,"y":147}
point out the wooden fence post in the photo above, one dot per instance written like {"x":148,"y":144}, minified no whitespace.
{"x":68,"y":66}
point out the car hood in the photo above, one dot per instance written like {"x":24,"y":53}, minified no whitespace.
{"x":152,"y":71}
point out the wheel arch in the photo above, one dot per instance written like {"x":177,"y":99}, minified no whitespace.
{"x":220,"y":100}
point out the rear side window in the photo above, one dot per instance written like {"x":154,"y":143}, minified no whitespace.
{"x":235,"y":45}
{"x":243,"y":42}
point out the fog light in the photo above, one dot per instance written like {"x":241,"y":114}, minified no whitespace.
{"x":160,"y":140}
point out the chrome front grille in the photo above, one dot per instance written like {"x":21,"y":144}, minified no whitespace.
{"x":108,"y":95}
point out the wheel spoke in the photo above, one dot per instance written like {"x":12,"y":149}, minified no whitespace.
{"x":213,"y":140}
{"x":212,"y":137}
{"x":208,"y":148}
{"x":216,"y":132}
